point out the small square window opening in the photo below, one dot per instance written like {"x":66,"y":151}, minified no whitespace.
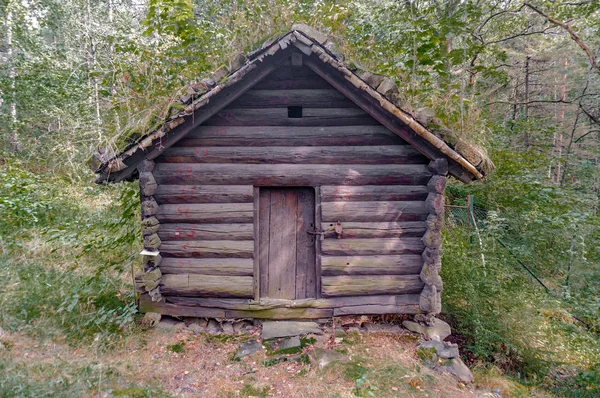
{"x":295,"y":112}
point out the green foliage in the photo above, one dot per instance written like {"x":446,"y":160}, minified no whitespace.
{"x":178,"y":348}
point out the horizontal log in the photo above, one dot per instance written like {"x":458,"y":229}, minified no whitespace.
{"x":266,"y":304}
{"x":183,"y":231}
{"x":166,"y":194}
{"x":279,"y":117}
{"x":388,"y":154}
{"x":162,"y":307}
{"x":374,"y":229}
{"x":374,"y":211}
{"x":206,"y":213}
{"x":208,"y":266}
{"x":261,"y":136}
{"x":288,"y":77}
{"x":342,"y":193}
{"x":291,"y":174}
{"x":208,"y":249}
{"x":378,"y":310}
{"x":333,"y":286}
{"x":207,"y":285}
{"x":312,"y":98}
{"x":408,"y":264}
{"x":371,"y":247}
{"x":282,"y":313}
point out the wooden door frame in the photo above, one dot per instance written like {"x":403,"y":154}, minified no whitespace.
{"x":256,"y":235}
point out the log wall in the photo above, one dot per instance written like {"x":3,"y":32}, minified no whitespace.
{"x":199,"y":207}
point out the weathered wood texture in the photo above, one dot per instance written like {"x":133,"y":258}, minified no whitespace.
{"x":269,"y":136}
{"x":266,"y":304}
{"x":209,"y":248}
{"x":353,"y":230}
{"x":358,"y":285}
{"x":373,"y":193}
{"x":382,"y":154}
{"x":374,"y":211}
{"x":282,"y":309}
{"x":206,"y":213}
{"x":206,"y":285}
{"x":208,"y":266}
{"x":372,"y":247}
{"x":279,"y":117}
{"x":287,"y":78}
{"x":315,"y":98}
{"x":186,"y":231}
{"x":213,"y":214}
{"x":430,"y":298}
{"x":180,"y":194}
{"x":290,"y":174}
{"x":372,"y":265}
{"x":288,"y":261}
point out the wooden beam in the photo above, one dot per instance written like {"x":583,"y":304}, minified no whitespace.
{"x":290,"y":174}
{"x":370,"y":285}
{"x":209,"y":248}
{"x":389,"y":154}
{"x":339,"y":193}
{"x":187,"y":232}
{"x":207,"y":266}
{"x":372,"y":247}
{"x":261,"y":136}
{"x":374,"y":211}
{"x":375,"y":229}
{"x":206,"y":285}
{"x":279,"y":117}
{"x":406,"y":264}
{"x":206,"y":213}
{"x":180,"y":194}
{"x":315,"y":98}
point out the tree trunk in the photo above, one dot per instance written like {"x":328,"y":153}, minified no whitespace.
{"x":12,"y":75}
{"x":558,"y":144}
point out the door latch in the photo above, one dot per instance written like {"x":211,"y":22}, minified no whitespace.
{"x":315,"y":232}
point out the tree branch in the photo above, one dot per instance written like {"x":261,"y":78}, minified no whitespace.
{"x":574,"y":36}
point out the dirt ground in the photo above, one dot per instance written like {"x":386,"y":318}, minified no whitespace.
{"x":184,"y":364}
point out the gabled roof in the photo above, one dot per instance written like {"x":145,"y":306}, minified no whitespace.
{"x":375,"y":94}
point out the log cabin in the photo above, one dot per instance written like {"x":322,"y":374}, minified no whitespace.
{"x":288,"y":186}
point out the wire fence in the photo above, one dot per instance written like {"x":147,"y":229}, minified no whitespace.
{"x":465,"y":216}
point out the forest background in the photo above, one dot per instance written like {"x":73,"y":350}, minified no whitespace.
{"x":520,"y":78}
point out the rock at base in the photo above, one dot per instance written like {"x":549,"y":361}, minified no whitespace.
{"x":442,"y":349}
{"x":170,"y":324}
{"x":322,"y":357}
{"x":228,"y":328}
{"x":273,"y":329}
{"x":437,"y":330}
{"x":248,"y":348}
{"x":456,"y":367}
{"x":291,"y":342}
{"x":151,"y":319}
{"x":213,"y":327}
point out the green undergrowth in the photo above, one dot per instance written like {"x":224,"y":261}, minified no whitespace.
{"x":66,"y":255}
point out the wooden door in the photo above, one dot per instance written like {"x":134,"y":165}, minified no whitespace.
{"x":286,"y":249}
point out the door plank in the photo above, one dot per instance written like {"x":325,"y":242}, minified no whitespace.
{"x":305,"y":252}
{"x":282,"y":244}
{"x":264,"y":210}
